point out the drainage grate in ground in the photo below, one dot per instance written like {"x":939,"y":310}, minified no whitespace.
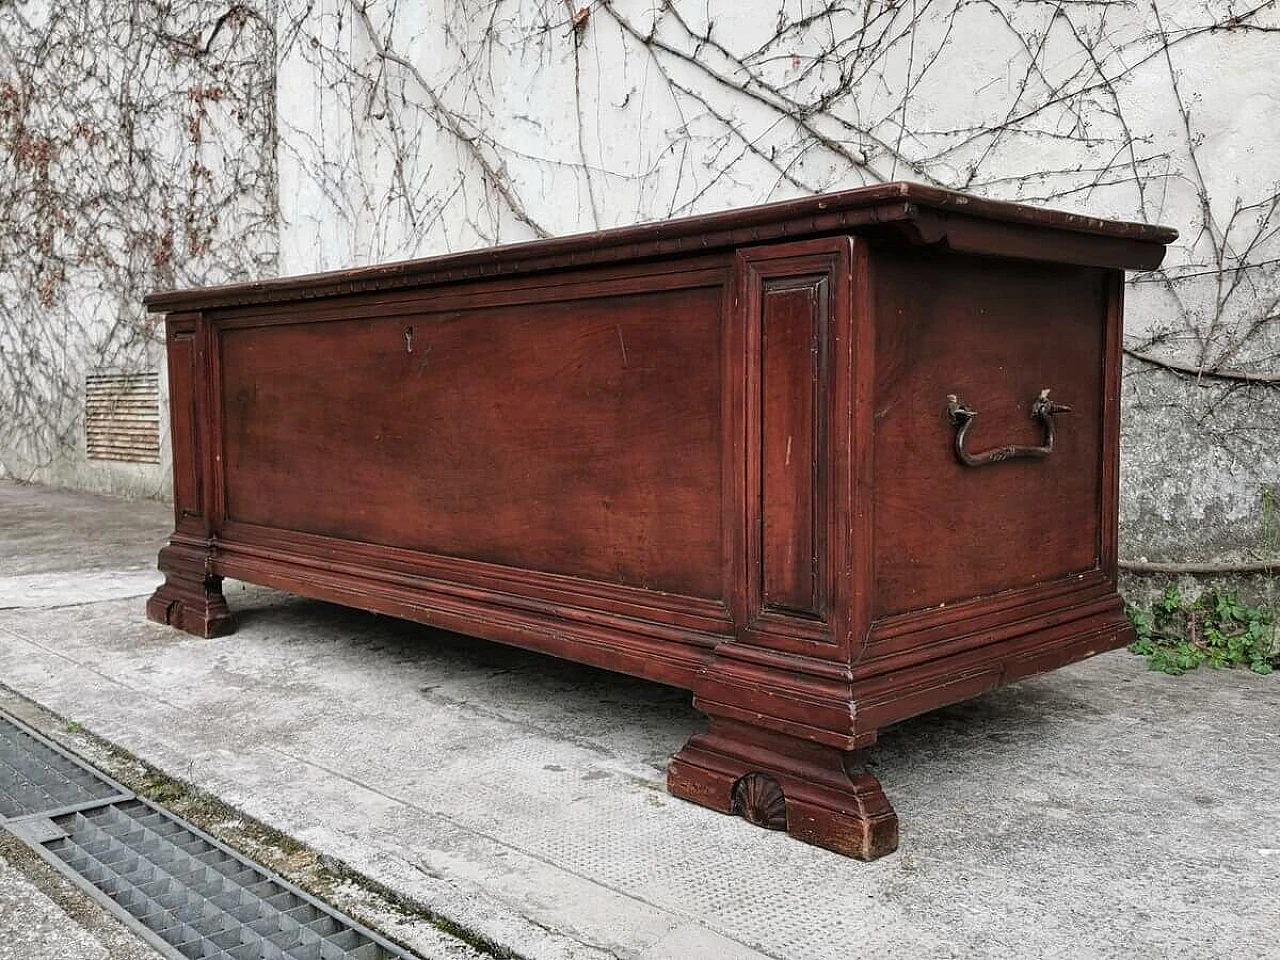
{"x":184,"y":892}
{"x":36,"y":777}
{"x":196,"y":895}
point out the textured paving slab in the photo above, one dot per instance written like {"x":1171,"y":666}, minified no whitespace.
{"x":43,"y":530}
{"x":1100,"y":811}
{"x":75,"y":588}
{"x":33,"y":927}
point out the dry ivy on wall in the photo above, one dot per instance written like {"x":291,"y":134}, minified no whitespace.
{"x":136,"y":152}
{"x":472,"y":124}
{"x":147,"y":156}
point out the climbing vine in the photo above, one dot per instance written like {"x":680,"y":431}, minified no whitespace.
{"x":397,"y":130}
{"x":516,"y":119}
{"x":136,"y":152}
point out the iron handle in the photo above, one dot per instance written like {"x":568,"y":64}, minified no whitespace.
{"x":962,"y":418}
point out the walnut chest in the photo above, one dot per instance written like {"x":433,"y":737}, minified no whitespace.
{"x":827,"y":463}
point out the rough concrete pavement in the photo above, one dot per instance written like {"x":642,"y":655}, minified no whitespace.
{"x":45,"y":917}
{"x":1100,"y":811}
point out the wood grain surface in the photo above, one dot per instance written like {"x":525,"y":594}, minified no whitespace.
{"x":714,"y":452}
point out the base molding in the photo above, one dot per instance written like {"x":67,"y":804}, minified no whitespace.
{"x":815,"y":792}
{"x":190,"y":598}
{"x":782,"y":746}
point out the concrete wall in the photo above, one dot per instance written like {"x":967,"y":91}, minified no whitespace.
{"x":407,"y":130}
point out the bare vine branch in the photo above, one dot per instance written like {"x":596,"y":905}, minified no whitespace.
{"x":138,"y":146}
{"x":136,"y":151}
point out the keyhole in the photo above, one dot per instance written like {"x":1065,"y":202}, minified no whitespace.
{"x":408,"y":339}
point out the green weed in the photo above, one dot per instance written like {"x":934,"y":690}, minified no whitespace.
{"x":1176,"y":634}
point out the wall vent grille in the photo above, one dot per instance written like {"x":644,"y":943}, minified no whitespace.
{"x":122,"y":417}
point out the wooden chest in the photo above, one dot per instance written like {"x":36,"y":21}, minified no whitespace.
{"x":811,"y":461}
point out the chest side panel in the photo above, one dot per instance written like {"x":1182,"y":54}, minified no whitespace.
{"x":580,"y":435}
{"x":994,"y":333}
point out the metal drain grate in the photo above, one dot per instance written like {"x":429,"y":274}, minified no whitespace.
{"x":187,"y":894}
{"x":197,"y":896}
{"x":35,"y":777}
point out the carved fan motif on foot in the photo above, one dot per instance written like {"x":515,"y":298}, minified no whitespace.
{"x":758,"y":799}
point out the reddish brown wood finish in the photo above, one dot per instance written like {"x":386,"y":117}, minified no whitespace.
{"x":712,"y":452}
{"x":995,"y":337}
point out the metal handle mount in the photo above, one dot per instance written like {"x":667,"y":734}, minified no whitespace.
{"x":962,"y":419}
